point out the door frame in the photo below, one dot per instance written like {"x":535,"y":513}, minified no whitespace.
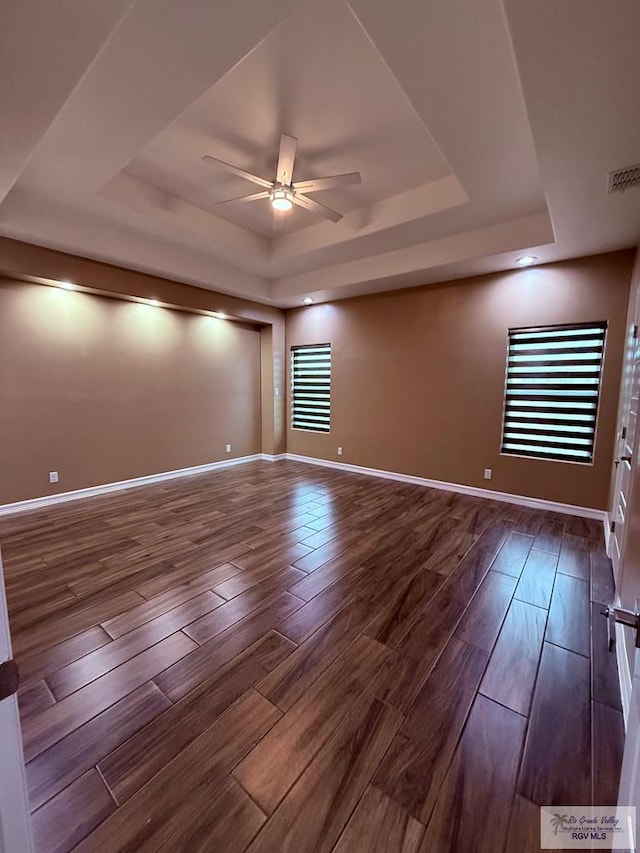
{"x":15,"y":824}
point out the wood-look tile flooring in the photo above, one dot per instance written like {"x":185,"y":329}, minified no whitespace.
{"x":278,"y":657}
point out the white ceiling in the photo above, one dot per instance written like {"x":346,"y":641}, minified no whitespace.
{"x":482,"y":131}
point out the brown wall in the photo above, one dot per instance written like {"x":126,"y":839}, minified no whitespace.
{"x":418,"y":375}
{"x":103,"y":390}
{"x":23,"y":260}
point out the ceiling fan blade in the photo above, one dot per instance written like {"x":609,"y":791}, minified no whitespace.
{"x":327,"y":183}
{"x":316,"y":207}
{"x":252,"y":197}
{"x":286,"y":159}
{"x":240,"y":172}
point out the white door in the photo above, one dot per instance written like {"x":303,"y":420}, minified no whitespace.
{"x":629,"y":792}
{"x":624,"y":549}
{"x":15,"y":830}
{"x":626,"y":442}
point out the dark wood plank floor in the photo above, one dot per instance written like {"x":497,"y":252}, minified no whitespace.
{"x":279,"y":657}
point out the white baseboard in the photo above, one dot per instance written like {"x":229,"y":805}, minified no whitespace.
{"x":624,"y":672}
{"x":520,"y":500}
{"x":92,"y":491}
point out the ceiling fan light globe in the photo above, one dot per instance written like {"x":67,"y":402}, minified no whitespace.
{"x":281,"y":200}
{"x":281,"y":204}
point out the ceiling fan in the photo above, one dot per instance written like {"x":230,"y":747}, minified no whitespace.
{"x":283,"y":192}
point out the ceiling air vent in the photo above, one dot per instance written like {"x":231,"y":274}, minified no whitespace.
{"x":624,"y":179}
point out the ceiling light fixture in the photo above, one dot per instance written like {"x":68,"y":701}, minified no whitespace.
{"x":219,"y":315}
{"x":281,"y":199}
{"x":154,"y":302}
{"x":526,"y":261}
{"x":308,"y":300}
{"x":67,"y":285}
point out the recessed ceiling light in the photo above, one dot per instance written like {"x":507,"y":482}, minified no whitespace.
{"x":281,"y":200}
{"x":308,"y":300}
{"x":526,"y":260}
{"x":67,"y":285}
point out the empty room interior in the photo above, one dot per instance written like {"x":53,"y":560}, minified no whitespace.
{"x":319,"y":391}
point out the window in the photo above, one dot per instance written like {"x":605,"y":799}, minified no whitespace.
{"x":553,"y":384}
{"x":311,"y":387}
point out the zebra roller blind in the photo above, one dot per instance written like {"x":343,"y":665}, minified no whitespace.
{"x":311,"y":387}
{"x":552,"y":391}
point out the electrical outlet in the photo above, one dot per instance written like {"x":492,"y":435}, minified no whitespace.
{"x":276,"y":392}
{"x":53,"y":476}
{"x":487,"y":473}
{"x":339,"y":451}
{"x":228,"y":448}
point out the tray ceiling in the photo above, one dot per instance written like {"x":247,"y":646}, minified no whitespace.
{"x":481,"y":131}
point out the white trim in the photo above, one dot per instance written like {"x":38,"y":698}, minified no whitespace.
{"x":15,"y":827}
{"x":520,"y":500}
{"x":92,"y":491}
{"x":624,"y":672}
{"x":607,"y":533}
